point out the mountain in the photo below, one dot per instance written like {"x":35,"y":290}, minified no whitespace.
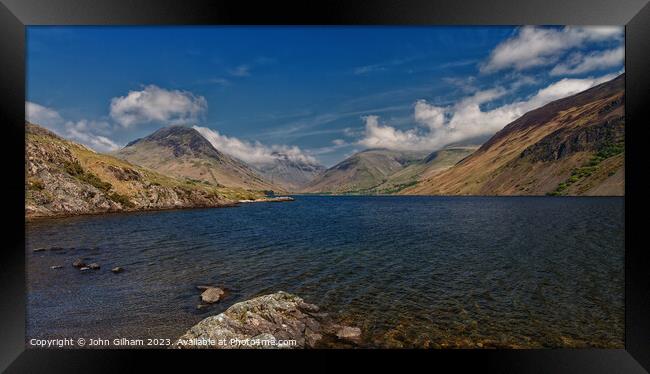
{"x":289,"y":173}
{"x":572,"y":146}
{"x":183,"y":152}
{"x":381,"y":171}
{"x":363,"y":171}
{"x":416,"y":171}
{"x":66,"y":178}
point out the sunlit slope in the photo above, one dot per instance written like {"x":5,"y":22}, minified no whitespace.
{"x":572,"y":146}
{"x":66,"y":178}
{"x":183,"y":152}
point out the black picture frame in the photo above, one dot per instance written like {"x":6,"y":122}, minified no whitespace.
{"x":634,"y":14}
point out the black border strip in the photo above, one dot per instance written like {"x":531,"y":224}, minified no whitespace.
{"x":637,"y":113}
{"x":12,"y":113}
{"x":325,"y":12}
{"x":337,"y":12}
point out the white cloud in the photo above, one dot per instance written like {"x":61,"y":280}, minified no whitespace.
{"x":40,"y":115}
{"x":84,"y":132}
{"x":580,"y":63}
{"x":385,"y":136}
{"x":432,"y":116}
{"x":293,"y":153}
{"x":155,"y":104}
{"x":440,"y":126}
{"x":254,"y":153}
{"x":563,"y":88}
{"x":519,"y":80}
{"x":538,"y":46}
{"x":89,"y":133}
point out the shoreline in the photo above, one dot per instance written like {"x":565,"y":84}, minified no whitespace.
{"x":421,"y":195}
{"x":232,"y":204}
{"x":238,"y":203}
{"x":267,"y":200}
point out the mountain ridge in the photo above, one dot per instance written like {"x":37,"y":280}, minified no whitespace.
{"x":382,"y":171}
{"x":290,"y":174}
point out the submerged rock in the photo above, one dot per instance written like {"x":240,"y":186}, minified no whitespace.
{"x":352,"y":334}
{"x":212,"y":295}
{"x":279,"y":320}
{"x":78,"y":263}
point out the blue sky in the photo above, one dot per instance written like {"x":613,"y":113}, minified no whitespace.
{"x":316,"y":93}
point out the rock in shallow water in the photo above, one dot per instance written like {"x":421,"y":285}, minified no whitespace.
{"x":211,"y":295}
{"x":352,"y":334}
{"x":78,"y":263}
{"x":279,"y":320}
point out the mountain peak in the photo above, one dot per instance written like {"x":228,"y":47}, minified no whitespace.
{"x":183,"y":140}
{"x":183,"y":152}
{"x":173,"y":130}
{"x":178,"y":132}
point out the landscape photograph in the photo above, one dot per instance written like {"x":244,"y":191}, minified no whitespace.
{"x":222,"y":187}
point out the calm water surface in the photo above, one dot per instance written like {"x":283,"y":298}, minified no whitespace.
{"x":410,"y":271}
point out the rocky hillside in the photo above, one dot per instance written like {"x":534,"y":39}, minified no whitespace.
{"x":183,"y":152}
{"x":290,"y":174}
{"x":572,"y":146}
{"x":66,"y":178}
{"x":382,"y":171}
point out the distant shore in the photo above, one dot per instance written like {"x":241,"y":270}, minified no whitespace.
{"x":268,"y":199}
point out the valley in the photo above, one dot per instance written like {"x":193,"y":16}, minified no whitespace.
{"x":573,"y":146}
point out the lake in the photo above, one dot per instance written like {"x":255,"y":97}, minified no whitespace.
{"x":409,"y":271}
